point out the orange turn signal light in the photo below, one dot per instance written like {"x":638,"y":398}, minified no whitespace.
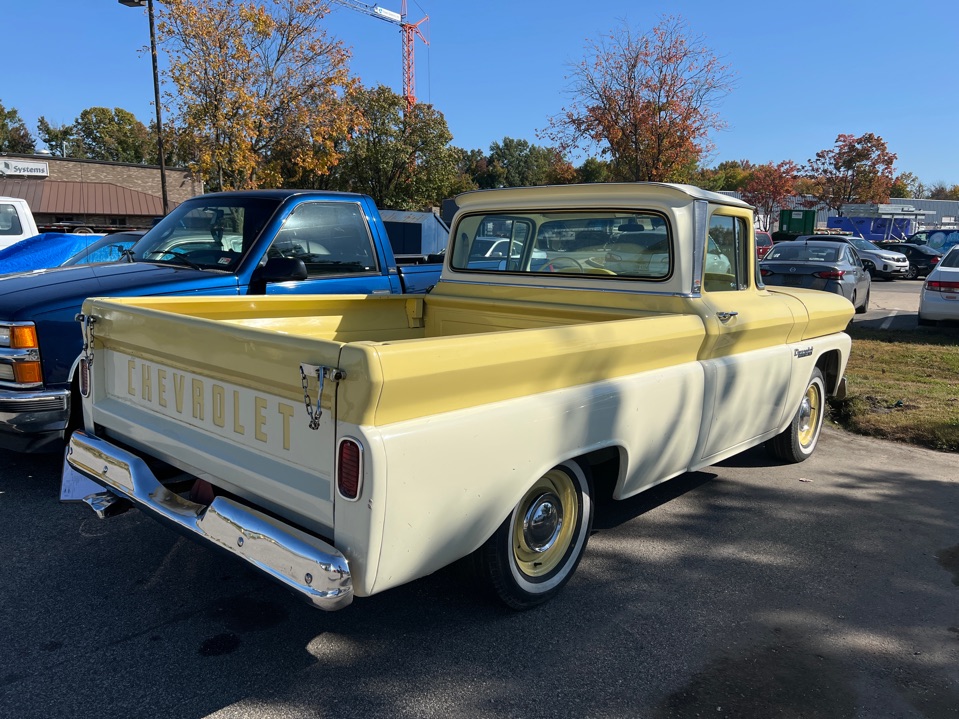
{"x":27,"y":372}
{"x":23,"y":337}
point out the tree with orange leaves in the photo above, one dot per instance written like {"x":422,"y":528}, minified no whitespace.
{"x":768,"y":188}
{"x":646,"y":101}
{"x":256,"y":80}
{"x":856,"y":169}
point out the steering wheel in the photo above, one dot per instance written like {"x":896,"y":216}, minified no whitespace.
{"x":597,"y":265}
{"x":556,"y":265}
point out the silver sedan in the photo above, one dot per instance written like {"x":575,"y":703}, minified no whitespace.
{"x":818,"y":265}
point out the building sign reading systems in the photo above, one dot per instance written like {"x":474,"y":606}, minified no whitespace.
{"x":24,"y":167}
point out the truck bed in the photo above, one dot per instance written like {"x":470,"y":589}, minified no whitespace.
{"x":403,"y":356}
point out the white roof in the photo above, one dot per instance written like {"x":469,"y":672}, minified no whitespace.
{"x":593,"y":194}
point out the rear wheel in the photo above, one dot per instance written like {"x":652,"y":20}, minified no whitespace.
{"x":912,"y":273}
{"x":864,"y":307}
{"x":798,"y":441}
{"x":538,"y":547}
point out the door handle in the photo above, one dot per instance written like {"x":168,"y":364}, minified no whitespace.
{"x":726,"y":316}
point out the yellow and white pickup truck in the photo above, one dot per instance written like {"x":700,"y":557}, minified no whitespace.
{"x":608,"y":335}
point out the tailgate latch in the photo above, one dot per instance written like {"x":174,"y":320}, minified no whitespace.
{"x":322,"y":373}
{"x":86,"y":353}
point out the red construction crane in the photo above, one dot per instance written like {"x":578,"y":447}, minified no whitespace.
{"x":408,"y":29}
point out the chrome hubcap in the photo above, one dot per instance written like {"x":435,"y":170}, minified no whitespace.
{"x":543,"y":522}
{"x":805,"y":414}
{"x":810,"y":415}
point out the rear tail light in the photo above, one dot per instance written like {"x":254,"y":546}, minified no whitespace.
{"x":765,"y":273}
{"x":349,"y":469}
{"x":830,"y":274}
{"x":934,"y":259}
{"x":937,"y":286}
{"x":83,"y":374}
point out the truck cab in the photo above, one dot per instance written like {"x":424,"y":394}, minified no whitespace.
{"x":16,"y":221}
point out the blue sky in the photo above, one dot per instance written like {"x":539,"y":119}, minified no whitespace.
{"x":805,"y":72}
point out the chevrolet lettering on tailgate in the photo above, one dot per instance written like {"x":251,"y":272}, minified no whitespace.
{"x":226,"y":410}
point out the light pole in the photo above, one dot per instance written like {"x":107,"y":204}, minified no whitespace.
{"x":156,"y":95}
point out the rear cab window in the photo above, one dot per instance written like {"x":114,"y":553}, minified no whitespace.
{"x":604,"y":243}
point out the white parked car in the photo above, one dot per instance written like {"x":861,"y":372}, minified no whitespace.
{"x":939,"y":299}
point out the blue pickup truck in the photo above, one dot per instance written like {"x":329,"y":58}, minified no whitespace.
{"x":231,"y":243}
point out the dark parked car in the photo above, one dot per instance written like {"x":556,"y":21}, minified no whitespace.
{"x":819,"y":265}
{"x":922,"y":258}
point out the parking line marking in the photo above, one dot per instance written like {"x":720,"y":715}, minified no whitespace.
{"x":888,"y":320}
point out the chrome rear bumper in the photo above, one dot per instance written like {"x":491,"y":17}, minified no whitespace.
{"x":312,"y":568}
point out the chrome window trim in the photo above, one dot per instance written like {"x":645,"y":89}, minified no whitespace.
{"x":700,"y":232}
{"x":523,"y":214}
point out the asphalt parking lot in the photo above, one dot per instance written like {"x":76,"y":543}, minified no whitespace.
{"x":893,"y":304}
{"x":828,"y":589}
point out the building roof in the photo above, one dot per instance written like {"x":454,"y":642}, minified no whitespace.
{"x":81,"y":198}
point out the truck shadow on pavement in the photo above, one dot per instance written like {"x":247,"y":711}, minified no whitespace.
{"x":738,"y":591}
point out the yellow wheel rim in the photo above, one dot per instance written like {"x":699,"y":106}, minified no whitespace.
{"x":544,"y":524}
{"x":810,"y":414}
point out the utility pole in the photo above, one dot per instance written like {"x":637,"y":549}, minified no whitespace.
{"x":156,"y":97}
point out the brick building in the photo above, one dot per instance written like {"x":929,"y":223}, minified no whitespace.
{"x":64,"y":192}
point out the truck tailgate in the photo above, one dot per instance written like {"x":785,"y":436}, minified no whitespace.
{"x":220,"y":401}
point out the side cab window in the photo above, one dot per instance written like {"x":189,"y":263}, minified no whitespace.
{"x":726,"y":267}
{"x":332,"y":238}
